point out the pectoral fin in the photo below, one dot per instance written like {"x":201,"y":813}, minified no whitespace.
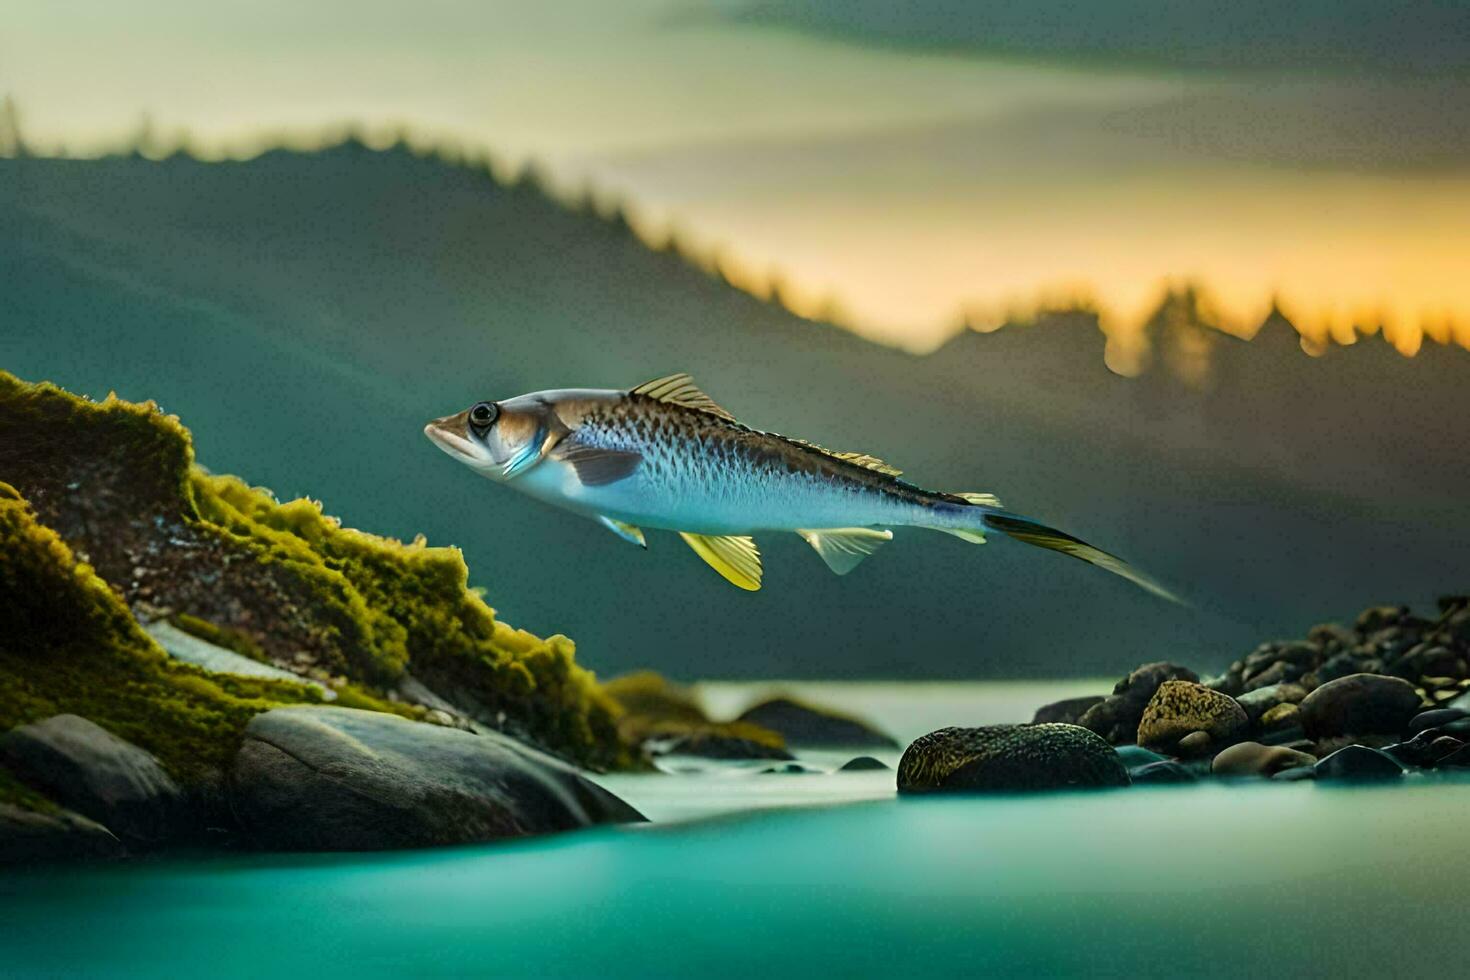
{"x":530,"y":454}
{"x":596,"y":466}
{"x":843,"y":548}
{"x":629,"y":533}
{"x":734,"y":557}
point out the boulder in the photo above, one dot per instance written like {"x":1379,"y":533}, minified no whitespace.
{"x":1180,"y":708}
{"x":1359,"y":704}
{"x":88,"y":769}
{"x":806,"y":726}
{"x":1255,"y":759}
{"x":1116,"y":718}
{"x":1065,"y":712}
{"x":52,"y":834}
{"x":1358,"y":763}
{"x":339,"y":779}
{"x":1009,"y":759}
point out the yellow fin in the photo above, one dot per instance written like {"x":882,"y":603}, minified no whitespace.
{"x":733,"y":556}
{"x":980,"y":499}
{"x":843,"y":548}
{"x":857,"y":459}
{"x":974,"y":537}
{"x":680,"y":389}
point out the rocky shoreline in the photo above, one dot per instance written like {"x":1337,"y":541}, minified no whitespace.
{"x":1388,"y":696}
{"x":186,"y":662}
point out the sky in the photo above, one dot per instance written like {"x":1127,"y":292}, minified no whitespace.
{"x":902,"y":191}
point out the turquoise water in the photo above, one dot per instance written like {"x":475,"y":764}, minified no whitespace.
{"x":1209,"y":880}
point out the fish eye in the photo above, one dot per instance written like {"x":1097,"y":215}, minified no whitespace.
{"x":483,"y":415}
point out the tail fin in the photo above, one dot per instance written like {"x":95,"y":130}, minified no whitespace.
{"x":1029,"y":531}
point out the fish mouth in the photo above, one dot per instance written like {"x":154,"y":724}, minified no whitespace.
{"x":451,"y":434}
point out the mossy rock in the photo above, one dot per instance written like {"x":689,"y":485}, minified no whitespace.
{"x":1181,"y":708}
{"x":116,"y":482}
{"x":664,"y":718}
{"x":1009,"y":759}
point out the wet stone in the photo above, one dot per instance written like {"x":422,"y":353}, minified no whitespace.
{"x":863,"y":763}
{"x":1357,"y":704}
{"x":1359,"y":763}
{"x":1180,"y":708}
{"x":1116,"y":717}
{"x":1255,"y":759}
{"x":1067,"y":711}
{"x":1165,"y":771}
{"x":1437,"y":718}
{"x":1009,"y":758}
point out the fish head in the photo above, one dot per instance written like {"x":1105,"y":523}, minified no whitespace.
{"x":489,"y":435}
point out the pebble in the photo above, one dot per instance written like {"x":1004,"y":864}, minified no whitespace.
{"x":1255,"y":759}
{"x":1458,"y":759}
{"x":1437,"y":718}
{"x":862,"y":763}
{"x":1194,"y":744}
{"x":1134,"y":756}
{"x":1358,"y":763}
{"x":1281,"y":716}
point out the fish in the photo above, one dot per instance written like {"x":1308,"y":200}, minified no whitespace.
{"x":664,"y":455}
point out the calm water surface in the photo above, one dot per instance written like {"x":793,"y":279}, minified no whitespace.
{"x":1209,"y":880}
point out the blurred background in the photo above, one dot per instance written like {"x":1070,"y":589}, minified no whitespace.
{"x":1189,"y":280}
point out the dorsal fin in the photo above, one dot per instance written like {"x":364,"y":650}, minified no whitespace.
{"x":680,"y":389}
{"x":857,"y":459}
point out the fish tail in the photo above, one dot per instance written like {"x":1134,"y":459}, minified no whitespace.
{"x":983,"y":513}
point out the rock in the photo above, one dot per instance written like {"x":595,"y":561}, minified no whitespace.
{"x":1065,"y":712}
{"x":1116,"y":718}
{"x":811,"y":727}
{"x":1425,"y":749}
{"x":789,"y":769}
{"x":1342,"y":665}
{"x":1282,"y":716}
{"x":1458,"y":759}
{"x":1296,"y":774}
{"x":1426,"y":660}
{"x":1009,"y":758}
{"x":90,"y":770}
{"x":863,"y":763}
{"x":714,"y":744}
{"x":1260,"y":700}
{"x":1194,"y":744}
{"x":1165,"y":771}
{"x":34,"y":836}
{"x":1255,"y":759}
{"x":1134,"y":756}
{"x":1375,"y":618}
{"x":1180,"y":708}
{"x":338,"y":779}
{"x":1358,"y":763}
{"x":1437,"y":718}
{"x":1357,"y":704}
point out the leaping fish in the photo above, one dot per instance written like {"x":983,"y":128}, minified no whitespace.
{"x":665,"y":455}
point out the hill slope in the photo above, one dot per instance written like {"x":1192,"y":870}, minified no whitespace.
{"x":308,"y":313}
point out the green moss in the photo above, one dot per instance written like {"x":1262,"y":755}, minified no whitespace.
{"x":420,"y":597}
{"x":69,"y":645}
{"x":656,"y":708}
{"x":275,"y":581}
